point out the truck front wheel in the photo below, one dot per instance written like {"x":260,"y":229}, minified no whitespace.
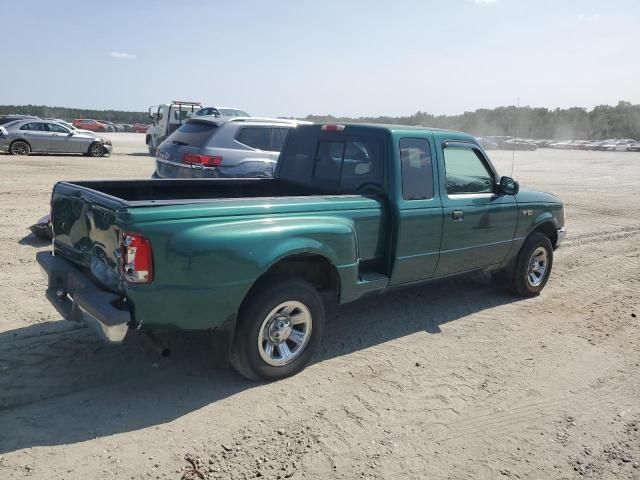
{"x":533,"y":266}
{"x":279,"y":328}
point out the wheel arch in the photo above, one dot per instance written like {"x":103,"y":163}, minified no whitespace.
{"x":312,"y":267}
{"x":547,"y":228}
{"x":21,"y":140}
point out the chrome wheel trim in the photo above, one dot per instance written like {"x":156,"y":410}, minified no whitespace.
{"x":285,"y":333}
{"x":20,"y":148}
{"x":97,"y":150}
{"x":537,"y":267}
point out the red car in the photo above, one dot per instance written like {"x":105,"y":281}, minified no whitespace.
{"x":140,"y":128}
{"x":89,"y":124}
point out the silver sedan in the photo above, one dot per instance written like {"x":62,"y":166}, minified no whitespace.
{"x":23,"y":137}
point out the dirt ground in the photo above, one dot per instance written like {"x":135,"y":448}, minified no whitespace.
{"x":453,"y":379}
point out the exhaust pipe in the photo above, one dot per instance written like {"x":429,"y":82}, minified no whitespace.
{"x":159,"y":346}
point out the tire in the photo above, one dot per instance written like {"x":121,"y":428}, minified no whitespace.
{"x":527,"y":279}
{"x":19,"y":147}
{"x":152,"y":150}
{"x":280,"y":300}
{"x":96,"y":150}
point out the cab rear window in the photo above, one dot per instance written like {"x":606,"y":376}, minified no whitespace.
{"x":345,"y":163}
{"x":193,"y":134}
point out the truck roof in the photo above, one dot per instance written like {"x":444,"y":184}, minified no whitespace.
{"x":402,"y":128}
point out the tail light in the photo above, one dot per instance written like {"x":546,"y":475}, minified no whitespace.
{"x":205,"y":160}
{"x":137,"y":258}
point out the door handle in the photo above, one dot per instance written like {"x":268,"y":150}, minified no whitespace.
{"x":457,"y":215}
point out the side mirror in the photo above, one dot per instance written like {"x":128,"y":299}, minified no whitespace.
{"x":508,"y":186}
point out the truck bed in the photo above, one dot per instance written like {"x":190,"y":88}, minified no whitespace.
{"x":140,"y":192}
{"x":88,"y":216}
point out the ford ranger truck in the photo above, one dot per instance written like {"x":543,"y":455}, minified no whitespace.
{"x":352,"y":210}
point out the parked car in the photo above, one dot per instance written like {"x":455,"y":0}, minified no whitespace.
{"x":353,"y":211}
{"x":580,"y":144}
{"x":90,"y":124}
{"x":615,"y":145}
{"x":211,"y":147}
{"x":39,"y":136}
{"x":624,"y":145}
{"x":140,"y":128}
{"x":634,"y":147}
{"x":220,"y":112}
{"x":562,"y":145}
{"x":4,"y":119}
{"x":594,"y":146}
{"x":110,"y":125}
{"x":519,"y":144}
{"x":487,"y":144}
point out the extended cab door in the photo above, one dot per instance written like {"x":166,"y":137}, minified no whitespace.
{"x":479,"y":223}
{"x":419,"y":209}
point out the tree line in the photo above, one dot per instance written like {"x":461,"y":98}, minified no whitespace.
{"x":43,"y":111}
{"x":602,"y":122}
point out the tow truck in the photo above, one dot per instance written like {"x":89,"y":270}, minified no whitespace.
{"x":167,"y":118}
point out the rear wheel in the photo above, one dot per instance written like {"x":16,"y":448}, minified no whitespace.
{"x":96,"y":150}
{"x":20,"y":147}
{"x":279,"y":327}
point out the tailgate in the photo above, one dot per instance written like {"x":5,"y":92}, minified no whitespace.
{"x":85,"y":230}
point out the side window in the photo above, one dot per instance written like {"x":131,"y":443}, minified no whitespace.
{"x":37,"y":127}
{"x":362,"y":163}
{"x":466,"y":171}
{"x":351,"y":164}
{"x":328,"y":161}
{"x":417,"y":169}
{"x":160,"y":113}
{"x":255,"y":137}
{"x":54,"y":127}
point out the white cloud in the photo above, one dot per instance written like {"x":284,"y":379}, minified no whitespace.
{"x":125,"y":55}
{"x":589,"y":18}
{"x":485,"y":2}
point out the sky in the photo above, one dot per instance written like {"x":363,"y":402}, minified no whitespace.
{"x":299,"y":57}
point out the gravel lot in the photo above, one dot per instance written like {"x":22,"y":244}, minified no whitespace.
{"x":453,"y":379}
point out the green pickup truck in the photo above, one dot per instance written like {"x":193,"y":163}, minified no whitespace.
{"x":353,"y":210}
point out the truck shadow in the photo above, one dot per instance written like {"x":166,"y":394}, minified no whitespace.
{"x":60,"y":385}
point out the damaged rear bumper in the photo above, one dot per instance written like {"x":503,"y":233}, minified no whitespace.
{"x":77,"y":298}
